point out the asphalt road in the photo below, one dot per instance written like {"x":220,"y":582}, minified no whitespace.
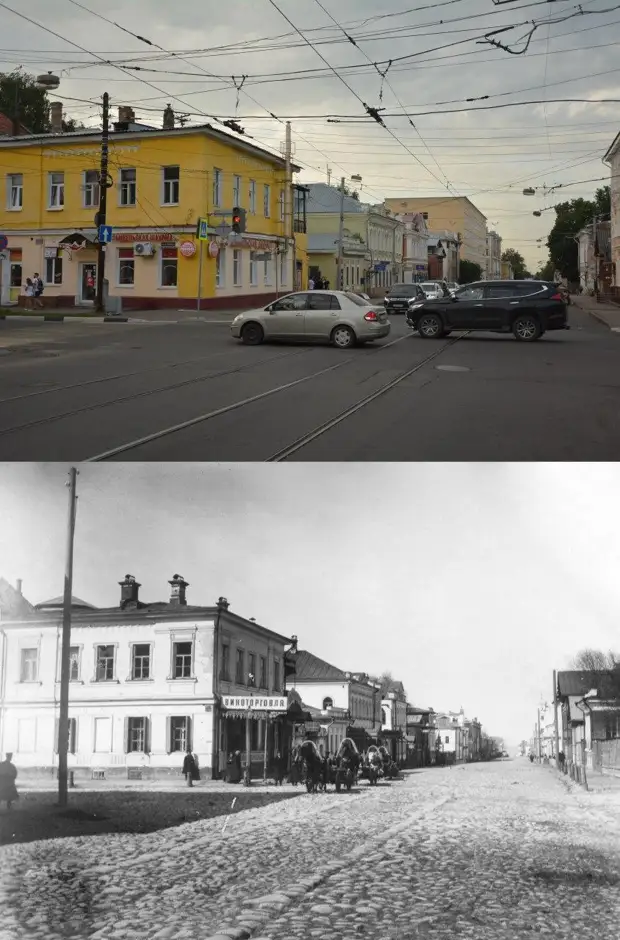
{"x":187,"y":391}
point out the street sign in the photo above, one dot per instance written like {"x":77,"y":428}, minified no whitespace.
{"x":221,"y":215}
{"x":223,"y":229}
{"x":202,"y":230}
{"x":253,"y":702}
{"x":3,"y":242}
{"x":105,"y":234}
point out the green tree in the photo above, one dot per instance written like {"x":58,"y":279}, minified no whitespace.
{"x":469,"y":272}
{"x":20,"y":98}
{"x":517,"y":261}
{"x":546,"y":272}
{"x":570,"y":218}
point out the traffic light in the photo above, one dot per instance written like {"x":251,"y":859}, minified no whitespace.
{"x":238,"y":220}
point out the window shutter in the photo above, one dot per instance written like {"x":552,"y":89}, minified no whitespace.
{"x":188,"y":733}
{"x":72,"y":735}
{"x":147,"y":735}
{"x":168,"y":735}
{"x":126,"y":736}
{"x":56,"y":734}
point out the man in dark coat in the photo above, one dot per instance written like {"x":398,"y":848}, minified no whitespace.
{"x":190,"y":771}
{"x":8,"y":775}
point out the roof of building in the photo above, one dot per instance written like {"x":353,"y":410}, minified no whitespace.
{"x":615,"y":145}
{"x":89,"y":134}
{"x":580,"y":682}
{"x":308,"y":666}
{"x":12,"y":602}
{"x":6,"y":126}
{"x":324,"y":198}
{"x":56,"y":602}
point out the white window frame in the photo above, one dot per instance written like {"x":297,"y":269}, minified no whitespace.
{"x":170,"y":184}
{"x":162,"y":262}
{"x":17,"y":188}
{"x":253,"y":269}
{"x":217,"y":187}
{"x":124,"y":187}
{"x":267,"y":277}
{"x":220,"y":269}
{"x":237,"y":192}
{"x":237,"y":267}
{"x":267,"y":200}
{"x":252,"y":197}
{"x":31,"y":661}
{"x":54,"y":264}
{"x":281,"y":205}
{"x":57,"y":190}
{"x":120,"y":262}
{"x":92,"y":188}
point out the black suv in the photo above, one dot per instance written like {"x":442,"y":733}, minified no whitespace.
{"x":399,"y":297}
{"x":526,"y":308}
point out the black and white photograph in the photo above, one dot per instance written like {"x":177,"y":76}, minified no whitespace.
{"x":378,"y":247}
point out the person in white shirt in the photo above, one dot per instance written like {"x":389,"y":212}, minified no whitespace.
{"x":29,"y":292}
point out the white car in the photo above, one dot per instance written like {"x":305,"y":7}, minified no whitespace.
{"x":435,"y":290}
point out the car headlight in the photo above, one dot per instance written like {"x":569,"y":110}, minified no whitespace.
{"x":238,"y":317}
{"x":415,"y":306}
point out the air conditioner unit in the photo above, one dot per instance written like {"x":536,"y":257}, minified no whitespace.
{"x":144,"y":250}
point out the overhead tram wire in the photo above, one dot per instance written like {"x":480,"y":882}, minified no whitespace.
{"x":234,"y":85}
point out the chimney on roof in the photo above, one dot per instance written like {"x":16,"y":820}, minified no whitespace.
{"x":168,"y":118}
{"x":18,"y":585}
{"x":178,"y":587}
{"x":126,"y":116}
{"x":56,"y":117}
{"x":222,"y":603}
{"x":129,"y":592}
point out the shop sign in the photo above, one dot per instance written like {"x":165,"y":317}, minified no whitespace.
{"x":145,"y":237}
{"x":188,"y":249}
{"x":214,"y":249}
{"x":50,"y":252}
{"x":252,"y":702}
{"x":257,"y":244}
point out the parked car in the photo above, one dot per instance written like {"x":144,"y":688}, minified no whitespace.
{"x":339,"y":317}
{"x":526,"y":308}
{"x":452,"y":286}
{"x":399,"y":296}
{"x":435,"y":290}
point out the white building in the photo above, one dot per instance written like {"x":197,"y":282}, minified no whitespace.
{"x":415,"y":246}
{"x":493,"y":268}
{"x":147,"y":681}
{"x":612,"y":159}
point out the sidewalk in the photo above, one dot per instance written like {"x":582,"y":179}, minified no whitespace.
{"x":18,"y":314}
{"x":607,"y":314}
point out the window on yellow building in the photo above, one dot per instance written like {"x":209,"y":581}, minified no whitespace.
{"x":252,"y":196}
{"x":253,"y":271}
{"x":217,"y":187}
{"x":169,"y":267}
{"x":53,"y":270}
{"x":237,"y":270}
{"x":14,"y":191}
{"x":267,"y":271}
{"x":127,"y":189}
{"x":56,"y":191}
{"x":171,"y":181}
{"x":266,"y":200}
{"x":281,"y":205}
{"x":237,"y":192}
{"x":126,"y":267}
{"x":90,"y":188}
{"x":220,"y":269}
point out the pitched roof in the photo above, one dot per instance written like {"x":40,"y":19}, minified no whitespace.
{"x":579,"y":682}
{"x":309,"y":666}
{"x":59,"y":602}
{"x":12,"y":602}
{"x":324,"y":198}
{"x":6,"y":126}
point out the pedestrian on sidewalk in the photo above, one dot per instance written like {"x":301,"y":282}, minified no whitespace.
{"x":190,"y":771}
{"x":310,"y":283}
{"x":8,"y":775}
{"x":29,"y":293}
{"x":37,"y":283}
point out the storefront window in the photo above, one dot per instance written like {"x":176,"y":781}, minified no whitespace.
{"x":53,"y":270}
{"x":169,"y":267}
{"x":126,"y":266}
{"x":16,"y":274}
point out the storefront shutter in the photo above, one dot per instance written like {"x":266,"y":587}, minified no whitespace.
{"x":147,"y":735}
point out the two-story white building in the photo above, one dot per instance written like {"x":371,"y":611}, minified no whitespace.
{"x":394,"y":721}
{"x":326,"y":687}
{"x":612,"y":159}
{"x":148,"y":681}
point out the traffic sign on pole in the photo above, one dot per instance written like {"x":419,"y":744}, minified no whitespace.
{"x":202,"y":230}
{"x":105,"y":234}
{"x":3,"y":242}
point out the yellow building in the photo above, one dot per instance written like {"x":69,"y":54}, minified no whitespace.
{"x":452,"y":214}
{"x":507,"y":272}
{"x":162,"y":181}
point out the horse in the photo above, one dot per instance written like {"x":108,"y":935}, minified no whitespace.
{"x":313,"y":765}
{"x":375,"y":764}
{"x":348,"y":761}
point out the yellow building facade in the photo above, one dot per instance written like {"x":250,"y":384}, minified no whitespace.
{"x":452,"y":214}
{"x":161,"y":182}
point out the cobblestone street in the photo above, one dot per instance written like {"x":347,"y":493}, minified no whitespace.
{"x":503,"y":850}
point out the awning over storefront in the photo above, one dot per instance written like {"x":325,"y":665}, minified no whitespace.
{"x":84,"y":238}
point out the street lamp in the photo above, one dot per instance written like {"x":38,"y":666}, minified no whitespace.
{"x":46,"y":82}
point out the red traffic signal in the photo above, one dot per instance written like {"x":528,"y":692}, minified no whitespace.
{"x":238,"y":220}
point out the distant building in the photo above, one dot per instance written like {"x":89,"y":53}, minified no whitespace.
{"x":493,"y":267}
{"x":443,"y":256}
{"x":450,"y":214}
{"x":612,"y":159}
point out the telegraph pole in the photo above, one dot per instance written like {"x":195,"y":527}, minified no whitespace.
{"x":289,"y":238}
{"x":538,"y":733}
{"x":65,"y":659}
{"x":555,"y":718}
{"x":340,"y":237}
{"x":103,"y":199}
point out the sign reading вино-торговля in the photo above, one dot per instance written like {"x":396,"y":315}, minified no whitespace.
{"x":250,"y":702}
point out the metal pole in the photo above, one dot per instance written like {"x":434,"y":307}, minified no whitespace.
{"x":555,"y":719}
{"x":265,"y":750}
{"x":340,"y":238}
{"x":288,"y":202}
{"x":65,"y":658}
{"x":198,"y":298}
{"x":103,"y":199}
{"x":247,"y":777}
{"x":539,"y":742}
{"x":595,"y":258}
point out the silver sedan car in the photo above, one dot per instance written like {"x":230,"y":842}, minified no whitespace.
{"x":339,"y":317}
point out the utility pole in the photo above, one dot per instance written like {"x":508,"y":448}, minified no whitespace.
{"x":289,"y":238}
{"x":340,"y":237}
{"x":65,"y":654}
{"x":538,"y":734}
{"x":103,"y":199}
{"x":555,"y":718}
{"x":595,"y":234}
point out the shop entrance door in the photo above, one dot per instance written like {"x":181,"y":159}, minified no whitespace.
{"x":88,"y":282}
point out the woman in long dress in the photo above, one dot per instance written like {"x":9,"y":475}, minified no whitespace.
{"x":8,"y":775}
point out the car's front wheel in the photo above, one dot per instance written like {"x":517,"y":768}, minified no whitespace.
{"x":252,"y":334}
{"x":343,"y":337}
{"x":526,"y":328}
{"x":430,"y":326}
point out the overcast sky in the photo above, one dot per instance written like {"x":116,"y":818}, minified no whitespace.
{"x":470,"y":582}
{"x":488,"y":156}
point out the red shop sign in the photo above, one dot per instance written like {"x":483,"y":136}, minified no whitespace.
{"x":145,"y":237}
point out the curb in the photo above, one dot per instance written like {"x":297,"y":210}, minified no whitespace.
{"x":597,"y":316}
{"x":264,"y":910}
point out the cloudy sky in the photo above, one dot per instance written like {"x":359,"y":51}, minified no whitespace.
{"x":439,"y":58}
{"x":470,"y":582}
